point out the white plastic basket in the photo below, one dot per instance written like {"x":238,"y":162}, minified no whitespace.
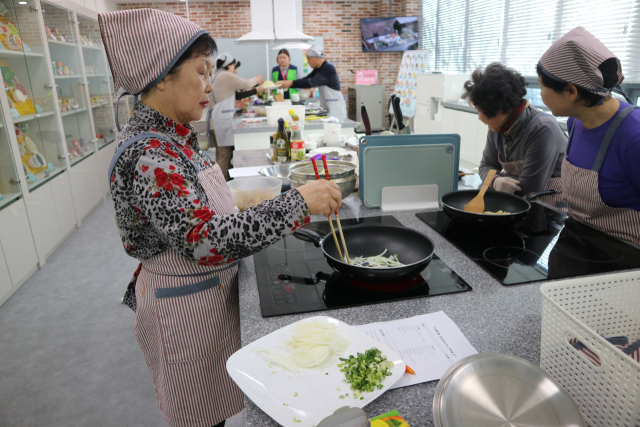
{"x":585,"y":310}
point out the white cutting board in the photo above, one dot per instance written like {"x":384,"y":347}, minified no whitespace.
{"x":274,"y":391}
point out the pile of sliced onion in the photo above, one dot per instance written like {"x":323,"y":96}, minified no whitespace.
{"x":311,"y":345}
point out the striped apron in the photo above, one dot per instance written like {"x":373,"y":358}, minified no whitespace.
{"x":515,"y":169}
{"x":583,"y":197}
{"x":188,"y":325}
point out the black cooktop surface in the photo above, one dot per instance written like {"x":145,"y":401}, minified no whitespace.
{"x":298,"y":259}
{"x":545,"y":245}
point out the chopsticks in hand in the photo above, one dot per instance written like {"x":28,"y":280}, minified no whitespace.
{"x":344,"y":244}
{"x":333,"y":231}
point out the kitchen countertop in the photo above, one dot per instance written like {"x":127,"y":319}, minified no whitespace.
{"x":494,"y":318}
{"x":240,"y":127}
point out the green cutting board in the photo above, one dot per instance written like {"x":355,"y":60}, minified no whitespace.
{"x":404,"y":165}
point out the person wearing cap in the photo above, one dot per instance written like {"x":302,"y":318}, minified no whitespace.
{"x":285,"y":71}
{"x":175,"y":214}
{"x":227,"y":89}
{"x":526,"y":144}
{"x":600,"y":174}
{"x":325,"y":77}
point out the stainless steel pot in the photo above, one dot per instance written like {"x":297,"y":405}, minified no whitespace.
{"x":340,"y":172}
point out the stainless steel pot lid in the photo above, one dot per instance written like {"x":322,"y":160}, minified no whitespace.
{"x":337,"y":169}
{"x":499,"y":390}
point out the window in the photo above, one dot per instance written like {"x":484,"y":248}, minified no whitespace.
{"x":465,"y":34}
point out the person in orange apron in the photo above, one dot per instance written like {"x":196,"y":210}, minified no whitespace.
{"x":175,"y":214}
{"x":600,"y":174}
{"x":525,"y":145}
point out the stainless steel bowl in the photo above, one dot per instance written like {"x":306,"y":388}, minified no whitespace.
{"x":341,"y":173}
{"x":492,"y":390}
{"x":338,"y":169}
{"x":281,"y":171}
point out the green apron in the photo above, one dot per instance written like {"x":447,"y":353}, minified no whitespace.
{"x":291,"y":75}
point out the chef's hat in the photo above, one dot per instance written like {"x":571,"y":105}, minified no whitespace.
{"x":576,"y":58}
{"x":143,"y":45}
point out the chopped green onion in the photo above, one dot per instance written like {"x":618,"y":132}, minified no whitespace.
{"x":365,"y":372}
{"x":341,"y":396}
{"x":295,"y":393}
{"x":296,"y":420}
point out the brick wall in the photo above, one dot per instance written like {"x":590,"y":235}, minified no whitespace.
{"x":338,"y":21}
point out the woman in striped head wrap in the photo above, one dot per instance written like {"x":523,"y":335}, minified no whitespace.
{"x":600,"y":174}
{"x":176,"y":215}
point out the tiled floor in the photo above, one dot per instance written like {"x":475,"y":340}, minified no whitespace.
{"x":68,"y":356}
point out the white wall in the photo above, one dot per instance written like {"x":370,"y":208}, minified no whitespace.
{"x":103,"y":5}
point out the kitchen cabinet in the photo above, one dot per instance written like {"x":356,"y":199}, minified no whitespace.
{"x":5,"y":279}
{"x":105,"y":154}
{"x":17,"y":242}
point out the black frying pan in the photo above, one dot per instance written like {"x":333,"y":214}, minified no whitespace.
{"x":414,"y":249}
{"x":453,"y":204}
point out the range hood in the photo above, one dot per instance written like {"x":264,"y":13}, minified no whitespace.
{"x":275,"y":20}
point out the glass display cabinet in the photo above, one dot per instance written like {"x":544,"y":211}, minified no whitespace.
{"x":99,"y":79}
{"x":66,"y":60}
{"x":9,"y":176}
{"x":29,"y":93}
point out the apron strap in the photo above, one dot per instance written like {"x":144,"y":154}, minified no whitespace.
{"x":604,"y":146}
{"x":129,"y":142}
{"x":118,"y":105}
{"x":213,"y":101}
{"x":205,"y":273}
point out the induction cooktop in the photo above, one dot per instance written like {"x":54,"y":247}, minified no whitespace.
{"x":293,"y":277}
{"x":546,"y":245}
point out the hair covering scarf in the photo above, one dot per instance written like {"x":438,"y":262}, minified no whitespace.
{"x":315,"y":51}
{"x":228,"y":59}
{"x":143,"y":45}
{"x":575,"y":58}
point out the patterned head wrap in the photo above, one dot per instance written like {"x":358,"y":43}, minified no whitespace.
{"x":226,"y":57}
{"x":575,"y":57}
{"x":315,"y":51}
{"x":143,"y":45}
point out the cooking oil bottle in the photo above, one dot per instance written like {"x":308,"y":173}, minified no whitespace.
{"x":282,"y":143}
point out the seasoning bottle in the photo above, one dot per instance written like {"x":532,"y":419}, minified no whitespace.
{"x":282,"y":143}
{"x":297,"y":140}
{"x":274,"y":153}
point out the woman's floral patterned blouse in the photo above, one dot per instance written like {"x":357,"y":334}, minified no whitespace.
{"x":160,"y":204}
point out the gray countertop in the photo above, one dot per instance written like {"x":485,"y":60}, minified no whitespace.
{"x":494,"y":318}
{"x":240,"y":127}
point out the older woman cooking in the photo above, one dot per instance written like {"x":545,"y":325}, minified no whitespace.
{"x":175,"y":214}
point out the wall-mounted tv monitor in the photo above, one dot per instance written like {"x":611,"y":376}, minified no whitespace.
{"x":393,"y":34}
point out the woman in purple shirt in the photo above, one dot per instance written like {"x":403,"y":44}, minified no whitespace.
{"x":600,"y":174}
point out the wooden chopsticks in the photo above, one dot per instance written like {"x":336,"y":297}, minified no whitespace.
{"x":333,"y":231}
{"x":344,"y":244}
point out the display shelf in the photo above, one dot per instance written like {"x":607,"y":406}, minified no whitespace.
{"x":84,"y":46}
{"x":72,"y":76}
{"x":100,"y":105}
{"x":69,"y":113}
{"x":28,"y":117}
{"x":77,"y":160}
{"x":96,"y":75}
{"x":8,"y":199}
{"x":4,"y":53}
{"x":101,"y":145}
{"x":42,"y":178}
{"x":57,"y":43}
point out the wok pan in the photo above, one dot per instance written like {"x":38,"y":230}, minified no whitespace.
{"x":414,"y":249}
{"x":453,"y":204}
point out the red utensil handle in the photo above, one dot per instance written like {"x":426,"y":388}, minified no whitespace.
{"x":315,"y":168}
{"x":326,"y":169}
